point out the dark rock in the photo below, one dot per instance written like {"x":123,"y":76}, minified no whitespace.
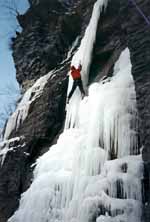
{"x":49,"y":31}
{"x":12,"y":171}
{"x":138,"y":38}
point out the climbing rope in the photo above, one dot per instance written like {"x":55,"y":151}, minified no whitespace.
{"x":147,"y":20}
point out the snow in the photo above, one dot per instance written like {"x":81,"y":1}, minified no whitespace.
{"x":21,"y":112}
{"x":75,"y":181}
{"x":84,"y":56}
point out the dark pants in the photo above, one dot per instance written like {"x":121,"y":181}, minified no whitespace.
{"x":77,"y":82}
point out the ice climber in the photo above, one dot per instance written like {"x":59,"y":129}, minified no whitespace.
{"x":77,"y":81}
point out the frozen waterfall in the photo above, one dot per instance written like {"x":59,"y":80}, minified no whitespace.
{"x":94,"y":172}
{"x":75,"y":181}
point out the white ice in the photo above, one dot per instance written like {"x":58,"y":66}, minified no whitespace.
{"x":21,"y":112}
{"x":84,"y":56}
{"x":106,"y":114}
{"x":75,"y":181}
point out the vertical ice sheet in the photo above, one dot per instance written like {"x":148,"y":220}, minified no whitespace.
{"x":84,"y":56}
{"x":85,"y":51}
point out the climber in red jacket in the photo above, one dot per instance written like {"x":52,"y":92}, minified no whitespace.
{"x":76,"y":75}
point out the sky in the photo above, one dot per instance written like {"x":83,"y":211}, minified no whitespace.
{"x":9,"y":89}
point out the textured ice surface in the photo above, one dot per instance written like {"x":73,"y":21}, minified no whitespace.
{"x":75,"y":181}
{"x":22,"y":110}
{"x":84,"y":56}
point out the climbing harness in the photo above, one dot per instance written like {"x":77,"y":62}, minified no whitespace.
{"x":147,"y":20}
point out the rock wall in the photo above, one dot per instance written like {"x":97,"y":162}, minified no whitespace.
{"x":138,"y":39}
{"x":49,"y":29}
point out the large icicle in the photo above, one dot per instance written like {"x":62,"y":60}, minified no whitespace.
{"x":84,"y":56}
{"x":74,"y":181}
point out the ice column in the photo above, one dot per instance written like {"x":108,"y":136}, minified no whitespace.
{"x":84,"y":56}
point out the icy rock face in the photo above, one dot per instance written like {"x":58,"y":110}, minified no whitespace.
{"x":38,"y":130}
{"x":22,"y":110}
{"x":37,"y":111}
{"x":84,"y":56}
{"x":75,"y":181}
{"x":139,"y":43}
{"x":13,"y":158}
{"x":47,"y":36}
{"x":41,"y":45}
{"x":5,"y":147}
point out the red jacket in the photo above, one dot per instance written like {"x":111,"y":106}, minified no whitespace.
{"x":75,"y":73}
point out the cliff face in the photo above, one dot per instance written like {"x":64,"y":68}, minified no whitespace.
{"x":49,"y":30}
{"x":138,"y":33}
